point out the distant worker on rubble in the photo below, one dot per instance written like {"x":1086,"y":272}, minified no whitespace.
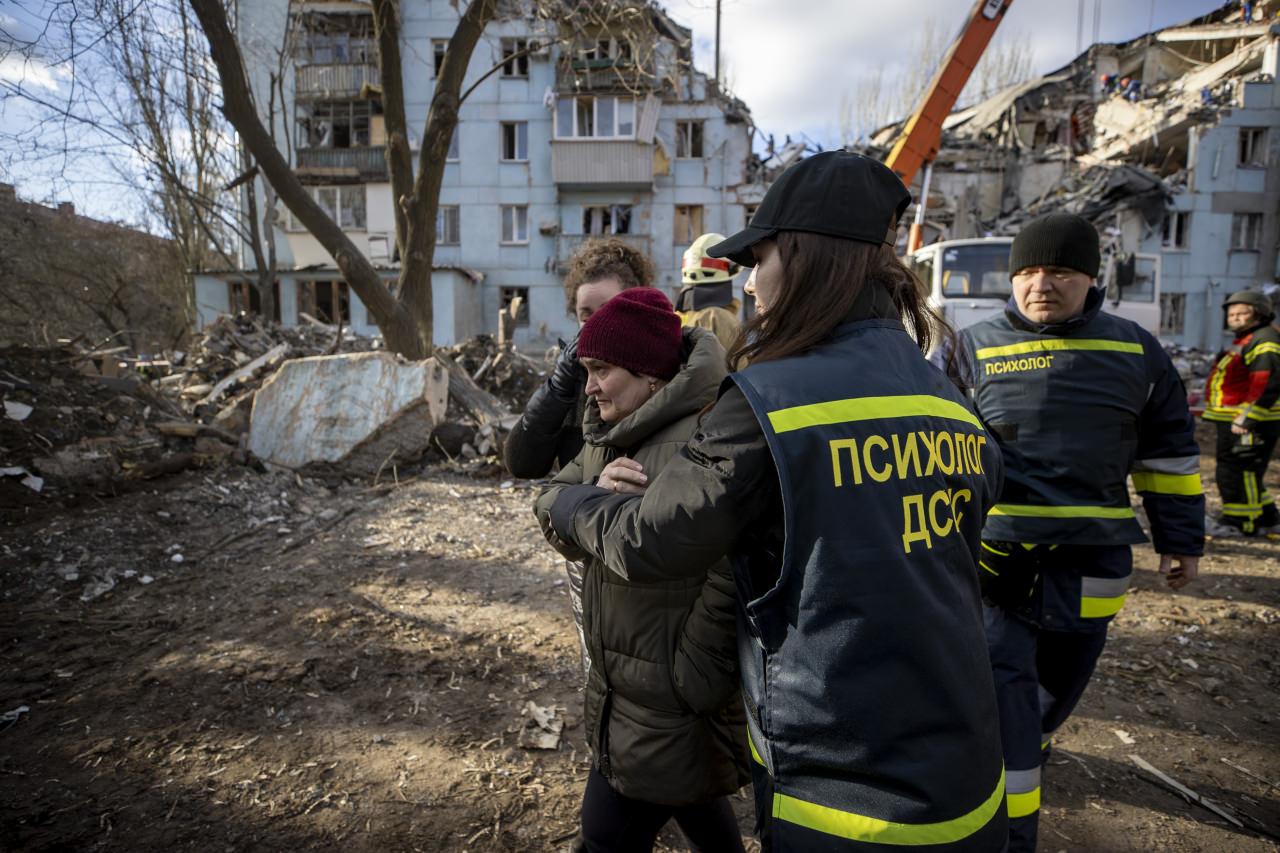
{"x":1243,"y":402}
{"x":1078,"y":401}
{"x":706,"y":301}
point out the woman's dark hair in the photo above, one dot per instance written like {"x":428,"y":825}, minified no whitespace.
{"x":607,"y":257}
{"x":822,"y":279}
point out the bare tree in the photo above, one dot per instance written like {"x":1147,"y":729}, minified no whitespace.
{"x":1008,"y":61}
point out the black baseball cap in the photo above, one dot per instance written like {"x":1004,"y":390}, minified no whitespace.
{"x":836,"y":193}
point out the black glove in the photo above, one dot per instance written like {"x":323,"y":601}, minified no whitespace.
{"x":568,"y":375}
{"x":1007,"y":574}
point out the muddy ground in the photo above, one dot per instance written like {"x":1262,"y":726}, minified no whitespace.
{"x":351,"y":667}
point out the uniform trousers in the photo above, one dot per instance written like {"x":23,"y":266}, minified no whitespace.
{"x":1241,"y":469}
{"x":613,"y":823}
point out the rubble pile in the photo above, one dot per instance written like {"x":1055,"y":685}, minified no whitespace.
{"x":504,"y":372}
{"x":67,"y":428}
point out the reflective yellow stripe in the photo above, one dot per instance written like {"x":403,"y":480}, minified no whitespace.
{"x":1021,"y":805}
{"x":1167,"y":484}
{"x":1259,"y":350}
{"x":988,"y":568}
{"x":1053,"y":344}
{"x":869,"y":409}
{"x":994,"y":551}
{"x":1097,"y":608}
{"x":1029,"y":511}
{"x":863,"y":828}
{"x":754,"y":755}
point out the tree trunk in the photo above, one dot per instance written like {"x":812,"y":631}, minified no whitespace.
{"x":422,"y":205}
{"x":386,"y":23}
{"x":238,"y":106}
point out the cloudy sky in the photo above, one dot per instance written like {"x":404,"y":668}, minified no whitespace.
{"x":792,"y":61}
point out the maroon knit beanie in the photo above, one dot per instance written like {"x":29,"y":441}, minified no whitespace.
{"x":638,"y":330}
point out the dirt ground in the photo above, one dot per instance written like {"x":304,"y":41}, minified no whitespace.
{"x":237,"y":661}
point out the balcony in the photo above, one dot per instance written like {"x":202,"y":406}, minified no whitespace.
{"x":332,"y":82}
{"x":367,"y":163}
{"x":602,"y":164}
{"x":566,"y":244}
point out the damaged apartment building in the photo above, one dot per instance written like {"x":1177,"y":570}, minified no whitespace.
{"x":570,"y":137}
{"x":1168,"y":143}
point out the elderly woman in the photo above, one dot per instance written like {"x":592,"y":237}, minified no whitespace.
{"x":664,"y":718}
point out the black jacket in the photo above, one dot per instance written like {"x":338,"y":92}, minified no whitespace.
{"x":548,"y":433}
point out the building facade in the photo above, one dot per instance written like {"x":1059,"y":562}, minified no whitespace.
{"x":567,"y":139}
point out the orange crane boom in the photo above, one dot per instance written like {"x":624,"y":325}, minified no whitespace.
{"x":921,"y":135}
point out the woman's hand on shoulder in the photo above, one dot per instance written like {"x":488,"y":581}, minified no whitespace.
{"x":624,"y":476}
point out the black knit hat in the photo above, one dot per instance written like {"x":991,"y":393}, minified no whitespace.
{"x":1057,"y":240}
{"x":836,"y":193}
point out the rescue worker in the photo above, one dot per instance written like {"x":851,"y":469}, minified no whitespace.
{"x":706,"y":301}
{"x":1243,"y":402}
{"x":846,"y":479}
{"x":1078,"y":400}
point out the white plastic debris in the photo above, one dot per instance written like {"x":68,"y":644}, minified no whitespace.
{"x":16,"y":411}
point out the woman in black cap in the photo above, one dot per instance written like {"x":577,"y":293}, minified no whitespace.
{"x":847,"y":482}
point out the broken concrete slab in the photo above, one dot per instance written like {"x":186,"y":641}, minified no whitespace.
{"x":360,"y":412}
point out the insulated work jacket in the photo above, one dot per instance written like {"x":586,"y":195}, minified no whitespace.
{"x":713,"y":307}
{"x":664,"y":717}
{"x":1077,"y":408}
{"x":1246,"y":379}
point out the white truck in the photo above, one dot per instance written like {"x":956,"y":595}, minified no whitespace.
{"x":968,"y":281}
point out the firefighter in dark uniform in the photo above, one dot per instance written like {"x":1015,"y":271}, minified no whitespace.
{"x":1243,"y":402}
{"x":1079,"y":400}
{"x":846,"y":479}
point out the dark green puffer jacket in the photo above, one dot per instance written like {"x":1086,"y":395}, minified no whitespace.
{"x":664,"y":715}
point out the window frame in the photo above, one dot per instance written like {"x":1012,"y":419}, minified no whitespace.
{"x":694,"y":229}
{"x":618,"y":101}
{"x":1251,"y":152}
{"x":446,"y":215}
{"x":336,"y":213}
{"x":1168,"y":311}
{"x":518,"y":212}
{"x":689,"y":132}
{"x":1176,"y":233}
{"x":1246,"y":232}
{"x":609,"y":215}
{"x":439,"y":47}
{"x":519,"y":129}
{"x":508,"y":48}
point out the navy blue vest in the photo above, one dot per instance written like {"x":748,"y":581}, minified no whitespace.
{"x":864,"y":663}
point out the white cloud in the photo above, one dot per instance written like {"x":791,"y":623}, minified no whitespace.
{"x":20,"y":70}
{"x":792,"y":62}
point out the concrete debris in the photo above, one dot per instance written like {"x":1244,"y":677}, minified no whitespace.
{"x":16,"y":411}
{"x":360,"y":412}
{"x":542,"y":728}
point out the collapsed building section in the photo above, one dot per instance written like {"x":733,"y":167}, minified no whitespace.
{"x":1166,"y":142}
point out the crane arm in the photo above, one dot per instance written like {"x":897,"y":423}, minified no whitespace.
{"x":922,"y":133}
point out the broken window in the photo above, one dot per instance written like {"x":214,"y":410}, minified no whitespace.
{"x":689,"y":139}
{"x":688,"y":223}
{"x":334,"y":124}
{"x":448,"y":230}
{"x":1177,"y":231}
{"x":1246,"y":231}
{"x":344,"y":205}
{"x":1173,"y":312}
{"x":1253,"y":147}
{"x":335,"y":40}
{"x":515,"y":58}
{"x":515,"y":140}
{"x":509,"y":295}
{"x":606,"y":219}
{"x":326,"y":301}
{"x":438,"y":48}
{"x":243,"y":298}
{"x":605,"y":117}
{"x":515,"y":223}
